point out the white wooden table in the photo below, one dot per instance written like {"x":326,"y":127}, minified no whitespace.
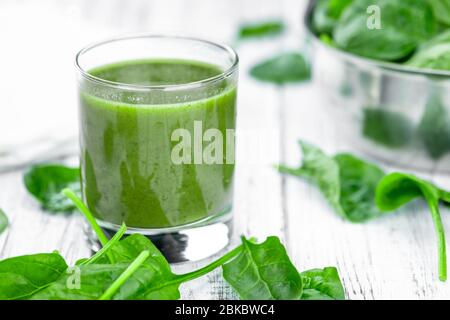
{"x":393,"y":257}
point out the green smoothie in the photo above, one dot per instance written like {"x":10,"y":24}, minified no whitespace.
{"x":128,"y":174}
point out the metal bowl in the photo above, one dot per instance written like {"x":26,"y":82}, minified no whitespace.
{"x":389,"y":111}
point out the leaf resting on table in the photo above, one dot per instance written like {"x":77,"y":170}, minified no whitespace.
{"x":46,"y":181}
{"x":284,"y":68}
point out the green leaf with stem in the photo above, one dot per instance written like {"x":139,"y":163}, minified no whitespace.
{"x":261,"y":29}
{"x":347,"y":182}
{"x":397,"y":189}
{"x":132,"y":268}
{"x":322,"y":284}
{"x":23,"y":276}
{"x":112,"y":242}
{"x":87,"y":214}
{"x":46,"y":181}
{"x":284,"y":68}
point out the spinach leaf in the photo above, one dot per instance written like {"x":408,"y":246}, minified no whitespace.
{"x":405,"y":24}
{"x":441,"y":10}
{"x":105,"y":249}
{"x":358,"y":180}
{"x":336,"y":7}
{"x":263,"y":272}
{"x":435,"y":54}
{"x":322,"y":21}
{"x":434,"y":128}
{"x":149,"y":279}
{"x":133,"y":268}
{"x":152,"y":279}
{"x":90,"y":284}
{"x":129,"y":271}
{"x":46,"y":181}
{"x":261,"y":29}
{"x":121,"y":280}
{"x":327,"y":13}
{"x":155,"y":270}
{"x":322,"y":284}
{"x":397,"y":189}
{"x":23,"y":276}
{"x":347,"y":182}
{"x":325,"y":38}
{"x":283,"y":68}
{"x":3,"y":221}
{"x":388,"y":128}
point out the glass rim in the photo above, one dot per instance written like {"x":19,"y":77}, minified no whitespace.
{"x":166,"y":87}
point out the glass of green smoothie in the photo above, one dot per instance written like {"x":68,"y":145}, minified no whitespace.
{"x":157,"y":121}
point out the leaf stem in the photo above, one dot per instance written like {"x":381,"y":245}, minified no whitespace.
{"x":286,"y":170}
{"x":177,"y":279}
{"x":433,"y":203}
{"x":88,"y":215}
{"x":124,"y":276}
{"x":107,"y":246}
{"x":444,"y":195}
{"x":210,"y":267}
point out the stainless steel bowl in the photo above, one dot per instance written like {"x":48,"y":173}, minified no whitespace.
{"x":389,"y":111}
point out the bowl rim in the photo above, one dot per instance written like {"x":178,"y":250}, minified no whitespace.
{"x":383,"y":65}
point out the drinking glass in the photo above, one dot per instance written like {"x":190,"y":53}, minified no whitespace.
{"x":157,"y":121}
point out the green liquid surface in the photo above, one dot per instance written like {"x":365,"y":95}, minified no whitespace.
{"x":127,"y":171}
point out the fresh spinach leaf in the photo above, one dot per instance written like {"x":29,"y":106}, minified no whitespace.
{"x":144,"y":277}
{"x":434,"y":54}
{"x":347,"y":182}
{"x":85,"y":282}
{"x":388,"y":128}
{"x":441,"y":10}
{"x":322,"y":284}
{"x":122,"y":280}
{"x":337,"y":7}
{"x":133,"y":268}
{"x":325,"y":38}
{"x":152,"y":280}
{"x":105,"y":249}
{"x":154,"y":271}
{"x":327,"y":13}
{"x":434,"y":128}
{"x":397,"y":189}
{"x":283,"y":68}
{"x":151,"y":277}
{"x":3,"y":221}
{"x":261,"y":29}
{"x":23,"y":276}
{"x":129,"y":271}
{"x":46,"y":181}
{"x":405,"y":24}
{"x":322,"y":21}
{"x":358,"y":181}
{"x":263,"y":272}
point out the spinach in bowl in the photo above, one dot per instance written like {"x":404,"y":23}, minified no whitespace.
{"x":411,"y":32}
